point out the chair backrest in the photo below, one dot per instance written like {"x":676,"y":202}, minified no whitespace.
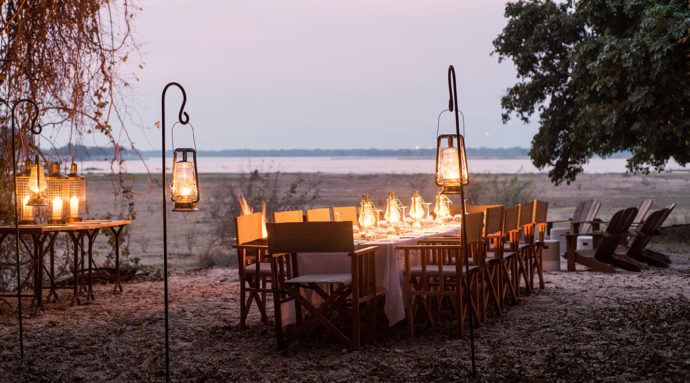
{"x":288,"y":216}
{"x":669,"y":209}
{"x":586,"y":226}
{"x":319,"y":215}
{"x":642,"y":210}
{"x":248,"y":228}
{"x":475,"y":227}
{"x":511,"y":218}
{"x":478,"y":208}
{"x":345,"y":214}
{"x":646,"y":232}
{"x":494,"y":220}
{"x":581,"y":210}
{"x":526,"y":213}
{"x":310,"y":237}
{"x":541,"y":209}
{"x":617,"y":227}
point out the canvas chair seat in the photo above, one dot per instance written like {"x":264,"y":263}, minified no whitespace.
{"x":264,"y":268}
{"x":339,"y":278}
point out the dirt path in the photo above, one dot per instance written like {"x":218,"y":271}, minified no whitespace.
{"x":583,"y":326}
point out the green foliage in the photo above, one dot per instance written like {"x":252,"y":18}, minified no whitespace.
{"x":605,"y":76}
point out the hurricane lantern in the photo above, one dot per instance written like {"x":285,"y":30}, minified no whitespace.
{"x":442,"y":207}
{"x":417,"y":211}
{"x":184,"y":190}
{"x":76,"y":192}
{"x":58,"y":195}
{"x":449,"y":171}
{"x":367,"y":213}
{"x":393,"y":214}
{"x":37,"y":184}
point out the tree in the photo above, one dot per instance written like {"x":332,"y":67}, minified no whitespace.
{"x":68,"y":56}
{"x":605,"y":76}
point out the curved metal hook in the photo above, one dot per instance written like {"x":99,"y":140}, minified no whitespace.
{"x":452,"y":90}
{"x":182,"y":116}
{"x":35,"y":128}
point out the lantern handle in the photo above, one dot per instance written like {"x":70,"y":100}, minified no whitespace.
{"x":172,"y":133}
{"x":438,"y":121}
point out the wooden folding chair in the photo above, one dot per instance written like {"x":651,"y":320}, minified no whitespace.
{"x":511,"y":246}
{"x":288,"y":216}
{"x":538,"y":232}
{"x":253,"y":265}
{"x":525,"y":250}
{"x":499,"y":262}
{"x":345,"y":214}
{"x":344,"y":292}
{"x":319,"y":215}
{"x":440,"y":275}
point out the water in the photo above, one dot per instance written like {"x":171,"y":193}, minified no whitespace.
{"x":355,"y":165}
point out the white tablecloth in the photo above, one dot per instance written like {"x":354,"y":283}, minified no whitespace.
{"x":390,"y":268}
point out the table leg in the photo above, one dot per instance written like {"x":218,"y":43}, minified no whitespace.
{"x":92,"y":237}
{"x":51,"y":273}
{"x":76,"y":240}
{"x":116,"y":233}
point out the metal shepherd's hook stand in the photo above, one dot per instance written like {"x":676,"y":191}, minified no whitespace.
{"x":453,"y":107}
{"x":183,"y":117}
{"x":35,"y":129}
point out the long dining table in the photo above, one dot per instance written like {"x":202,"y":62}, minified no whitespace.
{"x":390,"y":266}
{"x":39,"y":240}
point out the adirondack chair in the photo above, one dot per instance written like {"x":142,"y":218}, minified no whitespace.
{"x":601,"y":258}
{"x":583,"y":217}
{"x":642,"y":210}
{"x":636,"y":248}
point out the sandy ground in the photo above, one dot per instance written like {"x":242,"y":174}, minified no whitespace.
{"x":584,"y":326}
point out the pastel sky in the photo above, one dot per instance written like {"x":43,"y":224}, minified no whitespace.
{"x":323,"y":74}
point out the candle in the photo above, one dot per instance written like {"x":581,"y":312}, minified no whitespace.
{"x":27,"y":211}
{"x":57,"y":209}
{"x":74,"y":207}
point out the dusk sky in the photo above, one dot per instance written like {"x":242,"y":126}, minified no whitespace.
{"x":323,"y":74}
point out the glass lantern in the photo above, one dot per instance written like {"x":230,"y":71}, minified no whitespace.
{"x":367,"y":213}
{"x":37,"y":184}
{"x":76,"y":191}
{"x":442,"y":207}
{"x":24,"y":211}
{"x":184,"y":190}
{"x":394,"y":208}
{"x":58,"y":195}
{"x":451,"y":168}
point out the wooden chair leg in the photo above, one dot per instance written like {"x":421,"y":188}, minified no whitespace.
{"x":243,"y":304}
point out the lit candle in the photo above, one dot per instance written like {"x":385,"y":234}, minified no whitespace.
{"x":57,"y":209}
{"x":74,"y":207}
{"x":27,"y":211}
